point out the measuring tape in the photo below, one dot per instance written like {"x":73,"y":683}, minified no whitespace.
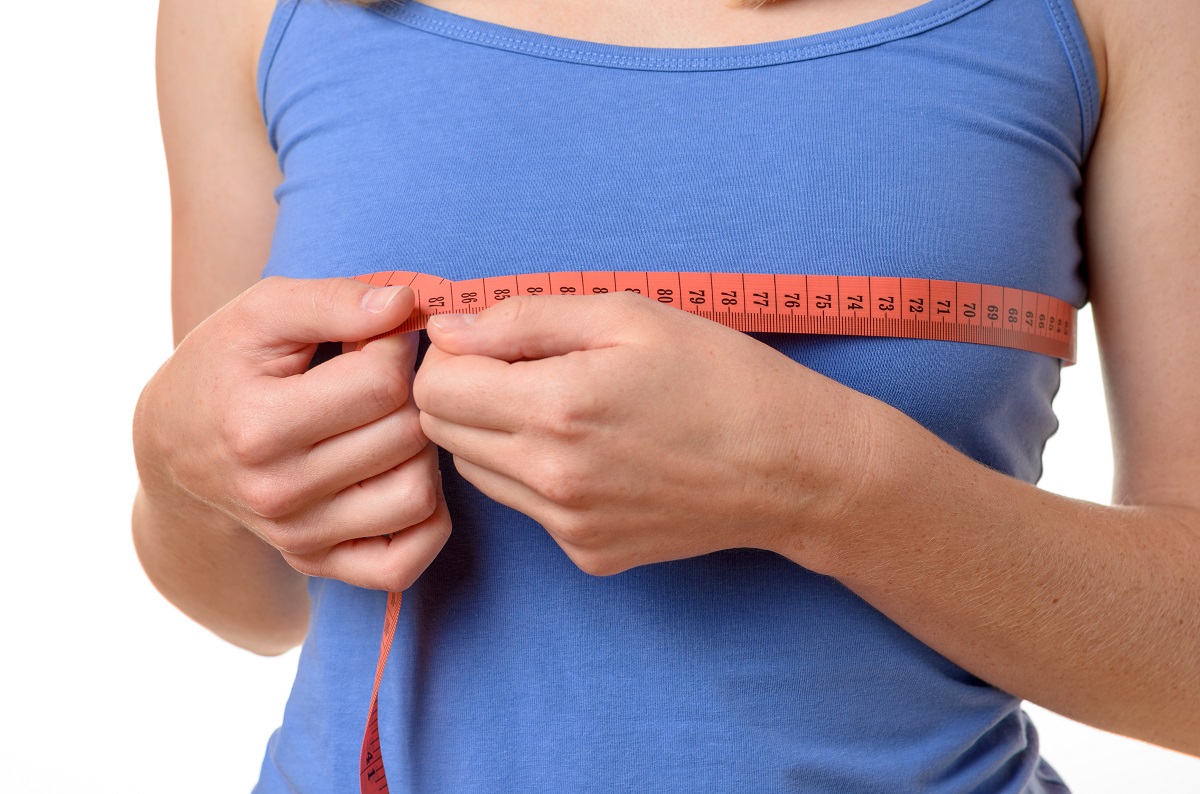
{"x":910,"y":308}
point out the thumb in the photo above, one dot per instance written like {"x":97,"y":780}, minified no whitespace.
{"x":285,"y":311}
{"x":527,"y":328}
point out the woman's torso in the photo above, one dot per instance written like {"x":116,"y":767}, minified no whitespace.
{"x":946,"y":142}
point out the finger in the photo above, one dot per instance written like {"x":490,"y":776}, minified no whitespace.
{"x":558,"y":396}
{"x":495,"y":449}
{"x":346,"y":392}
{"x":592,"y":545}
{"x":474,"y":390}
{"x":399,"y":497}
{"x":365,"y":452}
{"x":389,"y":562}
{"x":510,"y":492}
{"x":284,"y":312}
{"x":536,"y":327}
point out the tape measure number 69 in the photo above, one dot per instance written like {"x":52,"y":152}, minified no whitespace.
{"x":910,"y":308}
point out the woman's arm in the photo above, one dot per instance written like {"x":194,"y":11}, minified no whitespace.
{"x":256,"y":471}
{"x":222,"y":173}
{"x":1091,"y":611}
{"x":636,"y":434}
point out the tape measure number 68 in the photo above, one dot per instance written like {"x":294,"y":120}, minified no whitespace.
{"x":910,"y":308}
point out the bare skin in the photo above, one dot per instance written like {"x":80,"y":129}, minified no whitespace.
{"x":1091,"y":611}
{"x":677,"y":23}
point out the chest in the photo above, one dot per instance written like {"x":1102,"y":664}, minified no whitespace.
{"x":713,"y":23}
{"x":465,"y":160}
{"x":676,"y":23}
{"x":418,"y":140}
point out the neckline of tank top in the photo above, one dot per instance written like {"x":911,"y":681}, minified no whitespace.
{"x":912,"y":22}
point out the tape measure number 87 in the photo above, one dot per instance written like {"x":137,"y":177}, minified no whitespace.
{"x":909,"y":308}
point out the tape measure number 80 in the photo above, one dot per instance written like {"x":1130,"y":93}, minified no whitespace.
{"x":910,"y":308}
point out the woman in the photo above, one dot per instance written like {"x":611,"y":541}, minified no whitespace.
{"x":826,"y":570}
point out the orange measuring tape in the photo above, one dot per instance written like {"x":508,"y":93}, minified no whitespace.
{"x":910,"y":308}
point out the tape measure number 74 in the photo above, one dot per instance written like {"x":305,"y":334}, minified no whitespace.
{"x":911,"y":308}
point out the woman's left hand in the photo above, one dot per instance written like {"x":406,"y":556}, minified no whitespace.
{"x":638,"y":433}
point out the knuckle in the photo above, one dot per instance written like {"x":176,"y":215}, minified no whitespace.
{"x":594,"y":564}
{"x":309,"y":565}
{"x":389,"y":389}
{"x":567,"y":410}
{"x":574,"y":530}
{"x":412,"y":433}
{"x":325,"y":296}
{"x":418,"y":499}
{"x":410,"y":501}
{"x":247,"y":445}
{"x":248,"y":438}
{"x":407,"y":437}
{"x":518,"y":308}
{"x":266,"y":496}
{"x":398,"y":574}
{"x":425,"y":500}
{"x":623,"y":307}
{"x":560,"y":482}
{"x":626,"y":300}
{"x":290,"y":540}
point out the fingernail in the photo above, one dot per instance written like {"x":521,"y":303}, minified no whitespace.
{"x":377,"y":300}
{"x":452,"y":322}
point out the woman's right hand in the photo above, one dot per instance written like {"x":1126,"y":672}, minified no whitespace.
{"x":327,"y":465}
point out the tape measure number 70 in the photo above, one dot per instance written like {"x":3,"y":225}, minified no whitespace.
{"x":911,"y":308}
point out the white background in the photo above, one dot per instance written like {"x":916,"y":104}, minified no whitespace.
{"x":106,"y":688}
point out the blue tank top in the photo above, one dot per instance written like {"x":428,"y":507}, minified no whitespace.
{"x":945,"y":142}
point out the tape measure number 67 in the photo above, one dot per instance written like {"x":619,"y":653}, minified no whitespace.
{"x":910,"y":308}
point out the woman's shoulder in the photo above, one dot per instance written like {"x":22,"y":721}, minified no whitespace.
{"x":222,"y":169}
{"x":1120,"y":33}
{"x":226,"y":31}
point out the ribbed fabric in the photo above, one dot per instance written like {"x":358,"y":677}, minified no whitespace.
{"x":945,"y":142}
